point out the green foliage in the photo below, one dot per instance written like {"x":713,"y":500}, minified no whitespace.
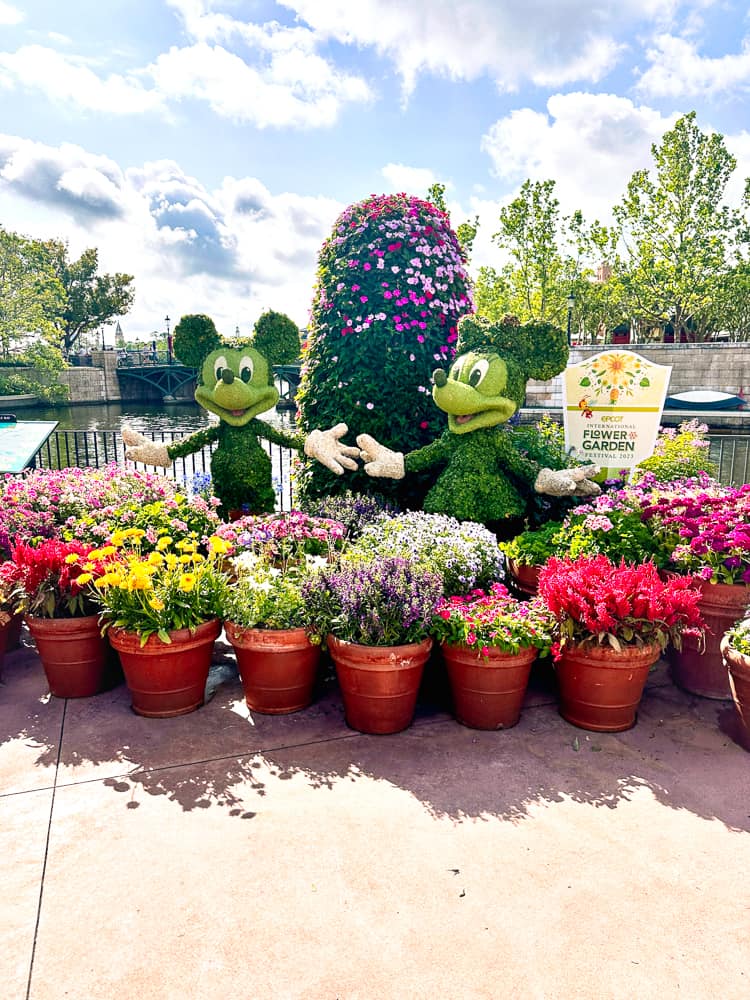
{"x":31,"y":296}
{"x":277,"y":338}
{"x":391,"y":287}
{"x":19,"y":385}
{"x":264,"y":597}
{"x":617,"y":534}
{"x":679,"y":454}
{"x":195,"y":336}
{"x":739,"y":637}
{"x":679,"y":238}
{"x":90,"y":299}
{"x":544,"y":444}
{"x":535,"y":546}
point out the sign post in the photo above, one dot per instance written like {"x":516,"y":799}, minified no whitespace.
{"x":612,"y":407}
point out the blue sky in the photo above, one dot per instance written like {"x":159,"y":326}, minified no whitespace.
{"x":206,"y":146}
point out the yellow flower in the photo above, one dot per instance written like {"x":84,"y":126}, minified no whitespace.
{"x":72,"y":558}
{"x":156,"y":603}
{"x":139,"y":581}
{"x":178,"y":498}
{"x":88,"y":566}
{"x":171,"y":560}
{"x":186,"y":545}
{"x":106,"y":550}
{"x":187,"y":582}
{"x":218,"y":545}
{"x":84,"y":578}
{"x":156,"y":559}
{"x":186,"y":558}
{"x":164,"y":542}
{"x":117,"y":538}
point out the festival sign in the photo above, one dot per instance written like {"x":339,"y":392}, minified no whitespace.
{"x":612,"y":407}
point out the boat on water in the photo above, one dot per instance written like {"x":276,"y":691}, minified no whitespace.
{"x":703,"y":399}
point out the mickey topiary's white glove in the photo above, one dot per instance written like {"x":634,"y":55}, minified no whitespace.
{"x":326,"y":447}
{"x":143,"y":449}
{"x":379,"y":460}
{"x":568,"y":482}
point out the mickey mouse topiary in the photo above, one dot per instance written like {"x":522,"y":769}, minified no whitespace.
{"x":236,"y":383}
{"x":485,"y":474}
{"x":391,"y":287}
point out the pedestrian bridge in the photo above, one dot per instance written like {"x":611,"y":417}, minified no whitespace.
{"x":162,"y":371}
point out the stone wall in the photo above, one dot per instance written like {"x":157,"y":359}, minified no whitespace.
{"x":723,"y":367}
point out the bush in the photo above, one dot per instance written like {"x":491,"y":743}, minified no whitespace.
{"x":391,"y":287}
{"x":276,"y":337}
{"x":679,"y":453}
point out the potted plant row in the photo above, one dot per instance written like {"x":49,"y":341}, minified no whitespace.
{"x":735,"y":648}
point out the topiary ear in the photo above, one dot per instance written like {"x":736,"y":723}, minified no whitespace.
{"x":546,"y":349}
{"x":540,"y":349}
{"x":195,"y":336}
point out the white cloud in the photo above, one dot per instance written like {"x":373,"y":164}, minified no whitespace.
{"x":294,"y":89}
{"x":66,"y":80}
{"x":590,"y":144}
{"x":230,"y":252}
{"x":10,"y":14}
{"x":678,"y":70}
{"x":513,"y":41}
{"x":411,"y":180}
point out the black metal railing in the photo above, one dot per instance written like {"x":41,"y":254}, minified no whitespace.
{"x":95,"y":448}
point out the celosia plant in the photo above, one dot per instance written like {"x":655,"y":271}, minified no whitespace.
{"x":464,"y":555}
{"x":172,"y":587}
{"x":600,"y":602}
{"x":493,"y":620}
{"x":385,"y":602}
{"x":57,"y":579}
{"x":391,"y":286}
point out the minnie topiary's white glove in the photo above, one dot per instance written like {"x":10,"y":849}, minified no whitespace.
{"x":379,"y":460}
{"x":326,"y":447}
{"x":143,"y":449}
{"x":573,"y":482}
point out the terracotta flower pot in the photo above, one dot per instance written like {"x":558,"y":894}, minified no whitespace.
{"x":738,"y":669}
{"x":379,"y":684}
{"x":600,"y":688}
{"x":488,"y":691}
{"x":277,"y":667}
{"x":76,"y":658}
{"x":702,"y":671}
{"x":524,"y":579}
{"x":167,"y":679}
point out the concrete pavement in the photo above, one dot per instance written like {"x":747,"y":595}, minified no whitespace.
{"x":229,"y":855}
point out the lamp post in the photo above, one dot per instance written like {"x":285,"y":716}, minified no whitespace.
{"x":102,"y":338}
{"x":169,"y":340}
{"x":571,"y":303}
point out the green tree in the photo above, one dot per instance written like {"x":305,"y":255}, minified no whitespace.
{"x":678,"y":238}
{"x":195,"y":336}
{"x":277,"y":338}
{"x":91,"y":299}
{"x":31,"y":297}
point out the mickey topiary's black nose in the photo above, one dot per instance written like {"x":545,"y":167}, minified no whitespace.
{"x":439,"y":377}
{"x":227,"y":375}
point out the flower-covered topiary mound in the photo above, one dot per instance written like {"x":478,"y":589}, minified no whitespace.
{"x":391,"y":287}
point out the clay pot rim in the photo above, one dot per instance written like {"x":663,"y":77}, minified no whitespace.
{"x":118,"y":634}
{"x":424,"y":644}
{"x":464,"y":647}
{"x":240,"y":630}
{"x":586,"y":647}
